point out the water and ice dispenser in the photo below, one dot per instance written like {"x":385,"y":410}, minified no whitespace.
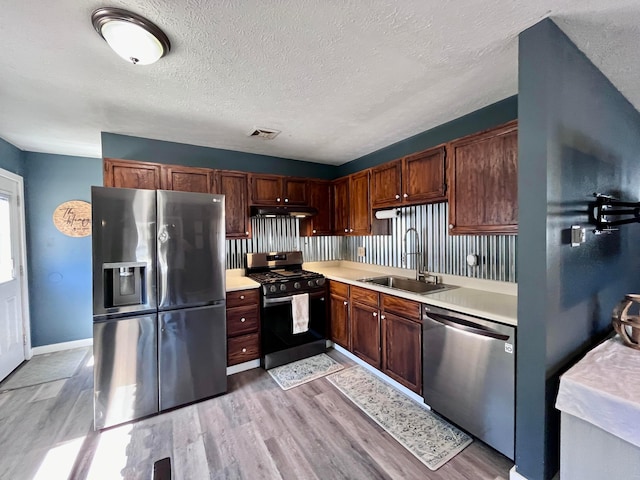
{"x":124,"y":284}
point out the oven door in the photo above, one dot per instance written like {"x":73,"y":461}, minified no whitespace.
{"x":279,"y":344}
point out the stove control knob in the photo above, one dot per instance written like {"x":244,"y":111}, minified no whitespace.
{"x":320,"y":281}
{"x":296,"y":285}
{"x":283,"y":287}
{"x":272,"y":288}
{"x":310,"y":283}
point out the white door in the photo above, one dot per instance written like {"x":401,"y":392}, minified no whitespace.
{"x":12,"y":345}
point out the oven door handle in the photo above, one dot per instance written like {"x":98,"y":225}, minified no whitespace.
{"x":277,"y":300}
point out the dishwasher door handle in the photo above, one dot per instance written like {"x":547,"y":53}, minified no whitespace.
{"x":470,"y":328}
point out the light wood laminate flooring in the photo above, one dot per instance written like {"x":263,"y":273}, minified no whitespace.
{"x":255,"y":431}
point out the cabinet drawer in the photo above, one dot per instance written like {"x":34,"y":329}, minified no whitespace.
{"x":364,"y":295}
{"x":242,"y":320}
{"x":338,"y":288}
{"x":400,"y":306}
{"x":242,"y":349}
{"x":243,"y":298}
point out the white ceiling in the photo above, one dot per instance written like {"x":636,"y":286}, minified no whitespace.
{"x":341,"y":79}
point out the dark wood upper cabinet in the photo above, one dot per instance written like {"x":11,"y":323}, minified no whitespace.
{"x":295,"y":191}
{"x":278,"y":190}
{"x":483,"y":182}
{"x":341,"y":206}
{"x":360,"y":207}
{"x":131,"y":174}
{"x":188,"y":179}
{"x":266,"y":189}
{"x":234,"y":185}
{"x":320,"y":197}
{"x":414,"y":179}
{"x":386,"y":184}
{"x":423,"y":176}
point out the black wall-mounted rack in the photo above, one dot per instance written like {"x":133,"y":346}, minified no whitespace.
{"x":605,"y":207}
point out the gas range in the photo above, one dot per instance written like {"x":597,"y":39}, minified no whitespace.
{"x":280,"y":273}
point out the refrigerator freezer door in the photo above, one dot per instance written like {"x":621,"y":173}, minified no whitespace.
{"x":192,"y":354}
{"x":125,"y":370}
{"x":124,"y":249}
{"x":191,"y":249}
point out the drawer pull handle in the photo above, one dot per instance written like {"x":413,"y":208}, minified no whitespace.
{"x":243,"y":319}
{"x":241,"y":297}
{"x":244,"y":350}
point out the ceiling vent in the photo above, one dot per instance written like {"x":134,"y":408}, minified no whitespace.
{"x":266,"y":133}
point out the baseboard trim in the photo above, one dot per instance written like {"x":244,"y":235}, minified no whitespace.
{"x":383,"y":377}
{"x":241,"y":367}
{"x":513,"y":475}
{"x":56,"y":347}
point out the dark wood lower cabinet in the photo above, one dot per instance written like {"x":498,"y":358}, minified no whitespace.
{"x":402,"y":350}
{"x":365,"y":333}
{"x":340,"y":320}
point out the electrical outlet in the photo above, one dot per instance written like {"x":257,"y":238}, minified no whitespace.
{"x":361,"y":251}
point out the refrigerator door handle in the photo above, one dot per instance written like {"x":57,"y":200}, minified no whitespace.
{"x":467,"y":327}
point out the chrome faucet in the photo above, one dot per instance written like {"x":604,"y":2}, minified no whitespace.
{"x":417,"y":253}
{"x":420,"y":274}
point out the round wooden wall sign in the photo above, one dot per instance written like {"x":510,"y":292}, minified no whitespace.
{"x":73,"y":218}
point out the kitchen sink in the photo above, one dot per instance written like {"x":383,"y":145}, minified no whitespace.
{"x":407,"y":284}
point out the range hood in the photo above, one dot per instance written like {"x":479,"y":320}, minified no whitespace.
{"x":284,"y":211}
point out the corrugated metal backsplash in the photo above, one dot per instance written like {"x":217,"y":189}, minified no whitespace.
{"x":440,"y":252}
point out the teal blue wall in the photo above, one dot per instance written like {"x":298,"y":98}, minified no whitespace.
{"x":577,"y":135}
{"x":59,"y":266}
{"x":159,"y":151}
{"x":11,"y":158}
{"x":483,"y":119}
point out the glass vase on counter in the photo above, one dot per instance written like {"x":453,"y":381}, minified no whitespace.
{"x":626,"y":320}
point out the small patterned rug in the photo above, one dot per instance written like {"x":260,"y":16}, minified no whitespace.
{"x":305,"y":370}
{"x":45,"y":368}
{"x":428,"y":437}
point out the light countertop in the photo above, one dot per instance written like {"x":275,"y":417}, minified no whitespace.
{"x":237,"y":281}
{"x":495,"y":301}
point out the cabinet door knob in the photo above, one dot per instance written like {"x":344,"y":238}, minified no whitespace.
{"x":451,"y":225}
{"x":346,"y":303}
{"x":375,"y":314}
{"x":406,"y":195}
{"x":346,"y":230}
{"x":241,"y":297}
{"x":382,"y":317}
{"x":243,"y":319}
{"x":286,"y":200}
{"x":244,"y":350}
{"x":351,"y":229}
{"x":278,"y":199}
{"x":397,"y":197}
{"x":246,"y":233}
{"x":314,"y":230}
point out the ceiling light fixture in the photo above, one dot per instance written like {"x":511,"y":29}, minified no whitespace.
{"x":131,"y":36}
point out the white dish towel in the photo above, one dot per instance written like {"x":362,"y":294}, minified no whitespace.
{"x":300,"y":312}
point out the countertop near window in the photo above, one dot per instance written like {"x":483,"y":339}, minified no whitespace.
{"x":604,"y":389}
{"x":237,"y":281}
{"x":487,"y":299}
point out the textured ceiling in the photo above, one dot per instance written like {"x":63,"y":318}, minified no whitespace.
{"x":340,"y":79}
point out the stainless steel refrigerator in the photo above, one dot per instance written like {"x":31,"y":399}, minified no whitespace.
{"x":159,"y":320}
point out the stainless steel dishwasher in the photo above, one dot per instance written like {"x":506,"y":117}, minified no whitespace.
{"x":469,"y":374}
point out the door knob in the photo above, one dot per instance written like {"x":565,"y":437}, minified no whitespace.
{"x":278,"y":199}
{"x":406,"y":195}
{"x":382,"y":317}
{"x":346,"y":303}
{"x":397,"y":197}
{"x":286,"y":200}
{"x":375,"y":314}
{"x":243,"y":319}
{"x":241,"y":297}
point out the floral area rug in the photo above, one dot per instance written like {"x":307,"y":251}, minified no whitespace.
{"x":305,"y":370}
{"x":428,"y":437}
